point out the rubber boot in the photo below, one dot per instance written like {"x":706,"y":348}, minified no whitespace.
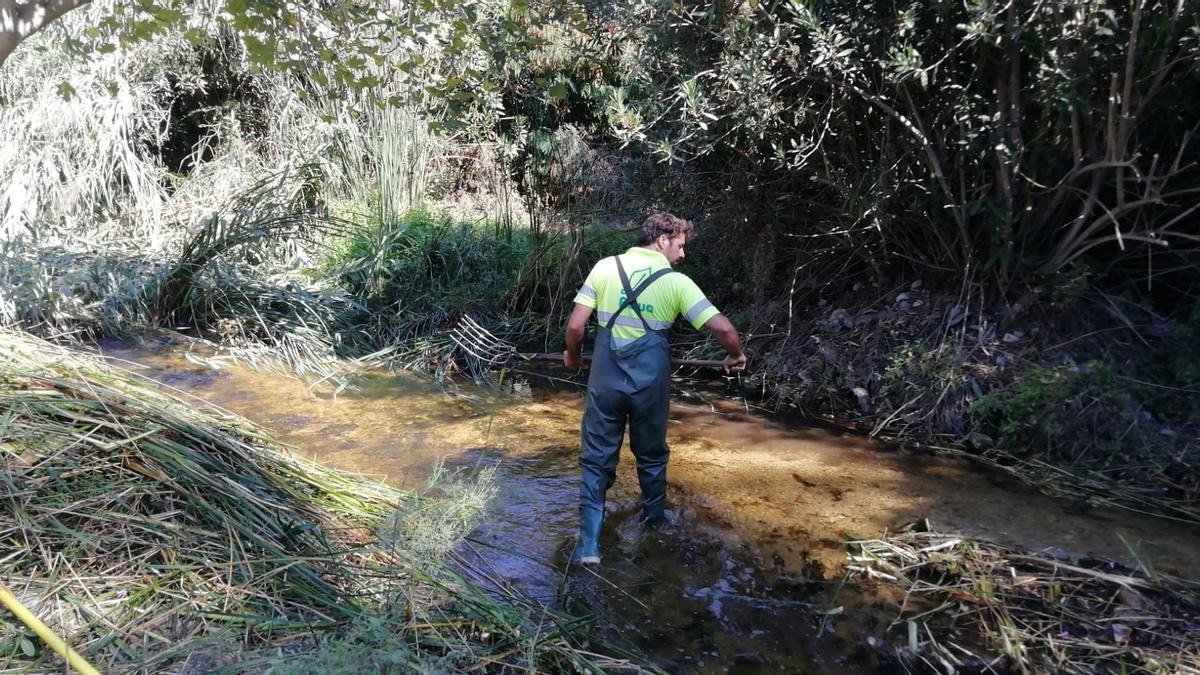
{"x":591,"y":519}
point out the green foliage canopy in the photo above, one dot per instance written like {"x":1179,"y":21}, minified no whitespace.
{"x":336,"y":46}
{"x":1009,"y":138}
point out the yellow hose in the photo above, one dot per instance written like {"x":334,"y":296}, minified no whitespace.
{"x":43,"y":631}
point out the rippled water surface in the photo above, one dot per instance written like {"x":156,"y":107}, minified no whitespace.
{"x":742,"y":578}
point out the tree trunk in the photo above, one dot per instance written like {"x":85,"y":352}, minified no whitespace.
{"x":19,"y":20}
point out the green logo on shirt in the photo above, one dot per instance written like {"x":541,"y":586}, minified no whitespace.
{"x":636,"y":278}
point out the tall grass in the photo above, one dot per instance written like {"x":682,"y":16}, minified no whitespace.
{"x":232,"y":279}
{"x":402,"y":159}
{"x":76,"y":135}
{"x":56,"y":291}
{"x":235,"y":280}
{"x":386,"y":158}
{"x":82,"y":160}
{"x":417,"y":274}
{"x":271,"y":211}
{"x":423,"y":267}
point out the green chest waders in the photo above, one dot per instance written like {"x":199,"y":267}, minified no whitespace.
{"x":628,"y":383}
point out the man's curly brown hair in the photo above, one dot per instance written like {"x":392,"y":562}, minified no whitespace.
{"x":660,"y":224}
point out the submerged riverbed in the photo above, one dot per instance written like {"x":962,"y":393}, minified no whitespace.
{"x":745,"y":579}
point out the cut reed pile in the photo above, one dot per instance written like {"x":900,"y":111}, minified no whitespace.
{"x":978,"y":607}
{"x":141,"y":527}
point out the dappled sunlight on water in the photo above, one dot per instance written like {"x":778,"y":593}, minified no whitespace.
{"x":740,"y":577}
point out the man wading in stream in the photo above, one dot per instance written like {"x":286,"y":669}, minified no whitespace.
{"x":636,"y":297}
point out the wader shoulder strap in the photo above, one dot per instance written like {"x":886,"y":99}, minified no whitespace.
{"x":631,"y":294}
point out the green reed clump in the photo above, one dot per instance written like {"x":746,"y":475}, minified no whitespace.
{"x":422,"y":267}
{"x":413,"y":276}
{"x":54,"y":290}
{"x":417,"y":273}
{"x":142,"y":526}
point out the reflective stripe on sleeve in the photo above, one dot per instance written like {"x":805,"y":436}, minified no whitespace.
{"x":697,"y":309}
{"x":588,"y":292}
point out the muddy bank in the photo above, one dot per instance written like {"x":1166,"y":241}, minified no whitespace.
{"x":1079,"y":395}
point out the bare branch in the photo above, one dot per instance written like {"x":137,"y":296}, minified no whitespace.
{"x":19,"y":20}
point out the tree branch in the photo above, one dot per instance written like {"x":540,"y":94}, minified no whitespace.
{"x":19,"y":20}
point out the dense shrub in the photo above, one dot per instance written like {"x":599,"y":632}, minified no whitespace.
{"x":972,"y":137}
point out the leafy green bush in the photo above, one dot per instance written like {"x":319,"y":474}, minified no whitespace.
{"x":1106,"y":420}
{"x":1019,"y":407}
{"x":1011,"y":139}
{"x":916,"y":366}
{"x":1081,"y":413}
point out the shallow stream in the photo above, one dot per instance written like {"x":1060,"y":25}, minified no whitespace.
{"x":742,"y":578}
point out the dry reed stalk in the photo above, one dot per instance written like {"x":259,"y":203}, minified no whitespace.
{"x":142,"y":527}
{"x":982,"y":607}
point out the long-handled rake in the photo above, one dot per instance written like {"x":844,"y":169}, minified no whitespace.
{"x":493,"y":351}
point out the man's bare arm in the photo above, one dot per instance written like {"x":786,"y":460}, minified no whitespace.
{"x":727,"y":337}
{"x":576,"y":326}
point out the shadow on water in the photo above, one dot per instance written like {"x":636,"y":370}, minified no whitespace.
{"x":744,"y":577}
{"x":680,"y":594}
{"x":694,"y":604}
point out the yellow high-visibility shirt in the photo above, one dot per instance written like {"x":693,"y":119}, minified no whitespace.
{"x":666,"y":299}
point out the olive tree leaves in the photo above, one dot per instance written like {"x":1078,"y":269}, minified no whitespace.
{"x":336,"y":46}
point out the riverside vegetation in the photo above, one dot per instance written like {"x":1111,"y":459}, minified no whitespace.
{"x":156,"y":532}
{"x":971,"y":227}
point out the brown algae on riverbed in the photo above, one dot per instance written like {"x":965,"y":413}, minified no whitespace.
{"x":761,"y":510}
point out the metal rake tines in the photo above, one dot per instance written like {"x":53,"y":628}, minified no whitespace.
{"x":480,"y":343}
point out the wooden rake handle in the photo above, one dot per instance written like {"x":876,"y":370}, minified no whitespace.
{"x":557,"y":356}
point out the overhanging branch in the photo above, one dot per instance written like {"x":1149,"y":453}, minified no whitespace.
{"x":19,"y":20}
